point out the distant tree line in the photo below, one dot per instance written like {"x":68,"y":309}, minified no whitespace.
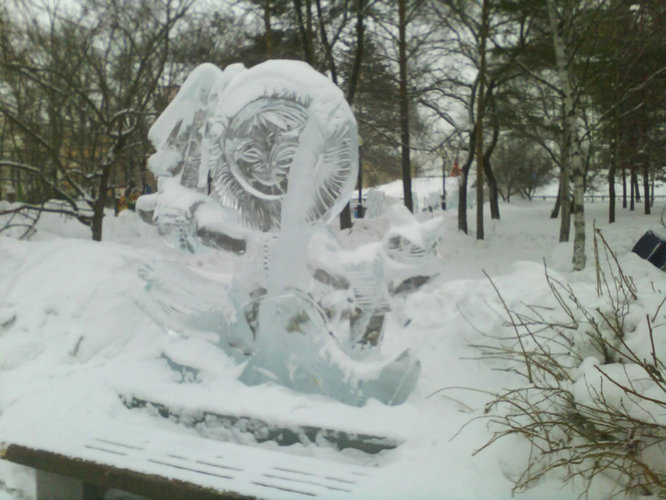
{"x":521,"y":92}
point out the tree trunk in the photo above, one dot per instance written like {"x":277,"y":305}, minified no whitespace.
{"x":404,"y":105}
{"x":103,"y":186}
{"x":330,"y":60}
{"x":462,"y":186}
{"x":100,"y":202}
{"x":358,"y":56}
{"x":267,"y":29}
{"x":612,"y":170}
{"x":462,"y":201}
{"x":345,"y":215}
{"x":624,"y":187}
{"x":646,"y":186}
{"x":493,"y":197}
{"x":636,"y":187}
{"x":576,"y":160}
{"x":565,"y":202}
{"x":493,"y":200}
{"x":306,"y":38}
{"x":645,"y":164}
{"x":578,"y":258}
{"x":611,"y":189}
{"x":554,"y":214}
{"x":443,"y":183}
{"x":308,"y":29}
{"x":480,"y":106}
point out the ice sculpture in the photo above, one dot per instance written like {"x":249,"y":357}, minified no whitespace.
{"x":256,"y":161}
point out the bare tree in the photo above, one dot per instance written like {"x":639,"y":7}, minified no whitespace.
{"x":96,"y":84}
{"x":560,"y":17}
{"x":467,"y":91}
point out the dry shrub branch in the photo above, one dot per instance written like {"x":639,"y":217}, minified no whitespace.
{"x":591,"y":405}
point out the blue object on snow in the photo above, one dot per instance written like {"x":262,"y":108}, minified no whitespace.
{"x":651,"y":248}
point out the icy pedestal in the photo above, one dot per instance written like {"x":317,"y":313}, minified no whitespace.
{"x":256,"y":162}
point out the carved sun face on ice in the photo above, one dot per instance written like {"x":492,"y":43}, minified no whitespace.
{"x":260,"y":144}
{"x":255,"y":148}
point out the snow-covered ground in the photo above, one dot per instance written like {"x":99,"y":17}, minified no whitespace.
{"x":74,"y":335}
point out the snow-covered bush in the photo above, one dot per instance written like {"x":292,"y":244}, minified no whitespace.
{"x":594,"y":399}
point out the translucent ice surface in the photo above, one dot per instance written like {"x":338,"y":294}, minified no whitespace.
{"x":256,"y":161}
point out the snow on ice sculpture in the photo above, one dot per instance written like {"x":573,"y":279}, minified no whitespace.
{"x":257,"y":161}
{"x":411,"y":250}
{"x":182,"y":136}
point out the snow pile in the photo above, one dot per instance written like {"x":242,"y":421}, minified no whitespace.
{"x":592,"y":357}
{"x":74,"y":337}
